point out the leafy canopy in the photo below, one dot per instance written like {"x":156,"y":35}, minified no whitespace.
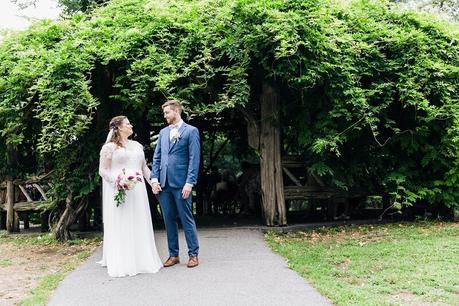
{"x":369,"y":92}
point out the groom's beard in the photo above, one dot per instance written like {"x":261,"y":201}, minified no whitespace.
{"x":172,"y":121}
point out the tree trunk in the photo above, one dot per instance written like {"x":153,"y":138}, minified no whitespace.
{"x":10,"y":194}
{"x":272,"y":187}
{"x":10,"y":206}
{"x":62,"y":230}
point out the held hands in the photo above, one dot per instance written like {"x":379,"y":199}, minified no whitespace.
{"x":186,"y":191}
{"x":156,"y":187}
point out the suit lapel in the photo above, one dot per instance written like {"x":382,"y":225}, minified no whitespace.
{"x":174,"y":142}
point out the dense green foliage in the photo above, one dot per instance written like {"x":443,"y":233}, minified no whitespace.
{"x":369,"y":93}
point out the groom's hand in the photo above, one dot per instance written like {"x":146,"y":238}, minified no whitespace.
{"x":186,"y":191}
{"x":156,"y":187}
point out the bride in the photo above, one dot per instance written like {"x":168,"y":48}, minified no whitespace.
{"x":129,"y":244}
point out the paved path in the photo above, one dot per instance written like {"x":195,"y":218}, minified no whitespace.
{"x":236,"y":268}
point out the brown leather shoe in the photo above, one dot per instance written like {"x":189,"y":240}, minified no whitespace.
{"x":193,"y":262}
{"x":171,"y":261}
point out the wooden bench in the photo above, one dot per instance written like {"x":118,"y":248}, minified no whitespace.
{"x":308,"y":192}
{"x":19,"y":198}
{"x":300,"y":184}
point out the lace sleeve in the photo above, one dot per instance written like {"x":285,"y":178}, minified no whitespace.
{"x":145,"y":170}
{"x":105,"y":162}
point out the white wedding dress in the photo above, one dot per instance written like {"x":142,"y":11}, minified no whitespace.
{"x":129,"y":244}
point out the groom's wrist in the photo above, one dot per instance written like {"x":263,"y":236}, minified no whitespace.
{"x":189,"y":185}
{"x":154,"y":180}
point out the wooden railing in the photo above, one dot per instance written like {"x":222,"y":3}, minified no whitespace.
{"x":299,"y":183}
{"x":24,"y":196}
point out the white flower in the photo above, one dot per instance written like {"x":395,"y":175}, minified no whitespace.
{"x":175,"y":134}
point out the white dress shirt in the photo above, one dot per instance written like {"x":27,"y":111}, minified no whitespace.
{"x":174,"y":128}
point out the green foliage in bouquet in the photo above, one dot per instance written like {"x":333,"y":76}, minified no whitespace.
{"x":120,"y":197}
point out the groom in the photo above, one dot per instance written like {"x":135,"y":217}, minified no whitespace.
{"x":175,"y":172}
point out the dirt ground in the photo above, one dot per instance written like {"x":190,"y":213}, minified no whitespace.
{"x":21,"y":266}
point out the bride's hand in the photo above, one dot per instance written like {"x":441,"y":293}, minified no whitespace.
{"x":156,"y":187}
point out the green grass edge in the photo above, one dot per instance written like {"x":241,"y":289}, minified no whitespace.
{"x":47,"y":284}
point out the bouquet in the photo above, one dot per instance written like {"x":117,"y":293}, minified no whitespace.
{"x":125,"y":182}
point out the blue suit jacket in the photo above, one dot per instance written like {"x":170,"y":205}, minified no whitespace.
{"x":177,"y":161}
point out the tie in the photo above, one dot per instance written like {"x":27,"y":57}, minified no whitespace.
{"x":173,"y":126}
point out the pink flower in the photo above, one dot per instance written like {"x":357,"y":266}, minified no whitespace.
{"x":125,"y":182}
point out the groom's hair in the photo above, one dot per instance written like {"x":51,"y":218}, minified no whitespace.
{"x":174,"y":104}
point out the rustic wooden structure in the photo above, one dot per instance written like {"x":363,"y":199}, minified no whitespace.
{"x":300,"y":183}
{"x":279,"y":174}
{"x":16,"y":198}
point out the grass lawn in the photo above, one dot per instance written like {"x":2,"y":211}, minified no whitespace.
{"x":32,"y":265}
{"x":392,"y":264}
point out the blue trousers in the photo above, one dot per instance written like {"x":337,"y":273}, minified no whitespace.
{"x":173,"y":206}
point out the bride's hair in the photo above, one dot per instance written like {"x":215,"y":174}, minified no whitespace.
{"x":115,"y":123}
